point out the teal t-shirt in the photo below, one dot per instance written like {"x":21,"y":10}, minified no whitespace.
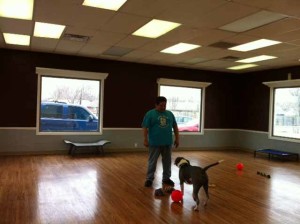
{"x":160,"y":125}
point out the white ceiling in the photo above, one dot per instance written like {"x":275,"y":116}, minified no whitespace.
{"x":201,"y":21}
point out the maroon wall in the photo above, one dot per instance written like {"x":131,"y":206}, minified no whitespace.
{"x":232,"y":101}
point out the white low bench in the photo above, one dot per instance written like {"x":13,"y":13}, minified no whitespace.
{"x":98,"y":145}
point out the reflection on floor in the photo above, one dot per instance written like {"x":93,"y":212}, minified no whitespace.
{"x":109,"y":189}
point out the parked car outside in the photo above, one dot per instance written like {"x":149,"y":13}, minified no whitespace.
{"x":57,"y":117}
{"x":182,"y":119}
{"x":191,"y":126}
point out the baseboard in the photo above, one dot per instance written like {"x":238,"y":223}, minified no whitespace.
{"x":116,"y":150}
{"x":33,"y":153}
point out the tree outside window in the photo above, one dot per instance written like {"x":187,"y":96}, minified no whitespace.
{"x":286,"y":116}
{"x":284,"y":112}
{"x":69,"y":102}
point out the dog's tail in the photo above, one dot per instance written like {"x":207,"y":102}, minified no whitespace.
{"x":214,"y":164}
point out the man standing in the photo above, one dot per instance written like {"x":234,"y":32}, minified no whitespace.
{"x":157,"y":127}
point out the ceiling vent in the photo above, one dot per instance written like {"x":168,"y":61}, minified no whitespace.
{"x":75,"y":37}
{"x":230,"y":58}
{"x":223,"y":45}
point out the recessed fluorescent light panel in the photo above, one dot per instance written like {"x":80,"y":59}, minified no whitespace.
{"x":155,"y":28}
{"x":16,"y":39}
{"x":180,"y":48}
{"x":17,"y":9}
{"x":240,"y":67}
{"x":48,"y":30}
{"x":105,"y":4}
{"x":254,"y":45}
{"x":255,"y":20}
{"x":257,"y":58}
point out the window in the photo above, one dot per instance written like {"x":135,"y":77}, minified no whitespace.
{"x":69,"y":102}
{"x":186,"y":101}
{"x":52,"y":111}
{"x":284,"y":121}
{"x":78,"y":113}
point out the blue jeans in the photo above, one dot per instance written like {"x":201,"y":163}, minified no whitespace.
{"x":154,"y":152}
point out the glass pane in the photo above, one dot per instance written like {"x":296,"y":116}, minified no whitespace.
{"x":69,"y":105}
{"x":185,"y":103}
{"x":286,"y":118}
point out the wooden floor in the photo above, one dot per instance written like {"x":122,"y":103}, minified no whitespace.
{"x":58,"y":189}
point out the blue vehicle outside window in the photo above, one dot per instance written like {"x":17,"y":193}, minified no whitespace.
{"x":60,"y":117}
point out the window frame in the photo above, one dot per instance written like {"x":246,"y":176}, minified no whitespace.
{"x":61,"y":73}
{"x":191,"y":84}
{"x":290,"y":83}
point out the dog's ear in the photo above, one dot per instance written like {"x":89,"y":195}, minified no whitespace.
{"x":177,"y":160}
{"x":188,"y":161}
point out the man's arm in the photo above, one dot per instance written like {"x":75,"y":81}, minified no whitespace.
{"x":176,"y":133}
{"x":145,"y":132}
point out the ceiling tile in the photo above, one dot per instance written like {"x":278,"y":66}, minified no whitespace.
{"x":68,"y":13}
{"x":68,"y":47}
{"x":289,"y":36}
{"x":274,"y":49}
{"x":90,"y":17}
{"x":289,"y":54}
{"x":252,"y":21}
{"x":133,"y":41}
{"x":125,"y":23}
{"x":43,"y":44}
{"x":137,"y":55}
{"x":223,"y":15}
{"x":106,"y":38}
{"x":274,"y":29}
{"x":290,"y":7}
{"x":156,"y":45}
{"x":57,"y":12}
{"x":210,"y":36}
{"x":256,"y":3}
{"x":166,"y":58}
{"x":92,"y":50}
{"x":200,"y":20}
{"x":295,"y":42}
{"x":241,"y":39}
{"x":181,"y":34}
{"x":17,"y":26}
{"x":192,"y":13}
{"x":218,"y":63}
{"x":219,"y":53}
{"x":148,"y":9}
{"x":117,"y":51}
{"x":193,"y":61}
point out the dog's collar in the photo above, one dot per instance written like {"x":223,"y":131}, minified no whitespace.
{"x":182,"y":162}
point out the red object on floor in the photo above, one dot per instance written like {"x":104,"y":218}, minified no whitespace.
{"x":176,"y":196}
{"x":240,"y":166}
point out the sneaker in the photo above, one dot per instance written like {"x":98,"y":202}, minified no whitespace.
{"x":148,"y":183}
{"x":168,"y":182}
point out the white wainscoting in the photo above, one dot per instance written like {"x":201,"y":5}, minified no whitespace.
{"x":25,"y":141}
